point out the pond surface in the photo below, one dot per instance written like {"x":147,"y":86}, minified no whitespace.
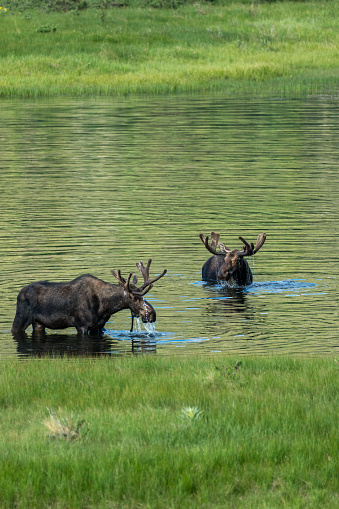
{"x":98,"y":184}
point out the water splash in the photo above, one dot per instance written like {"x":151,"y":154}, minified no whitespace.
{"x":137,"y":323}
{"x":280,"y":286}
{"x":149,"y":326}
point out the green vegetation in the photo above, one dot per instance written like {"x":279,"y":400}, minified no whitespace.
{"x":169,"y":432}
{"x":289,"y":48}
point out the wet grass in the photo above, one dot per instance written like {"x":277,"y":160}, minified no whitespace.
{"x":169,"y":432}
{"x":288,"y":48}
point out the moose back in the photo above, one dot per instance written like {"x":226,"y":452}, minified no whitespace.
{"x":85,"y":303}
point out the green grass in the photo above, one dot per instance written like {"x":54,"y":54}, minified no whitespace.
{"x":169,"y":432}
{"x":289,"y":48}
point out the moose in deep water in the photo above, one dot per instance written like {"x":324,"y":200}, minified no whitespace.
{"x":85,"y":303}
{"x":227,"y":264}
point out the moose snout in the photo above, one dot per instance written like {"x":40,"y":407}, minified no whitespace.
{"x":148,"y":314}
{"x":229,"y":274}
{"x":144,"y":311}
{"x":225,"y":274}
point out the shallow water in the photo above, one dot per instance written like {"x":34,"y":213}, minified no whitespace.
{"x":98,"y":184}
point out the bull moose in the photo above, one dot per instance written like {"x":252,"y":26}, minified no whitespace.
{"x":85,"y":303}
{"x":227,"y":264}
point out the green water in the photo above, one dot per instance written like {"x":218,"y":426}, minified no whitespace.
{"x":97,"y":184}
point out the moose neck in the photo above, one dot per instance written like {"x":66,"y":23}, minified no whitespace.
{"x":120,"y":299}
{"x":116,"y":299}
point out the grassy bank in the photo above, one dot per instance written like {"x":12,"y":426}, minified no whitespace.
{"x":169,"y":432}
{"x":288,"y":48}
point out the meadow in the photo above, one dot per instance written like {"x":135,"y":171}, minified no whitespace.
{"x":174,"y":432}
{"x":285,"y":48}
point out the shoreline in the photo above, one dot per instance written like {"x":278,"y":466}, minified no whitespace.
{"x":284,"y":49}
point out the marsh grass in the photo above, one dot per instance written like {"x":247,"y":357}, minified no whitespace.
{"x":288,"y":48}
{"x":190,"y":414}
{"x":68,"y":428}
{"x":267,"y":438}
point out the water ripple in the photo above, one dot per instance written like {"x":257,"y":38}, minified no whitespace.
{"x":93,"y":185}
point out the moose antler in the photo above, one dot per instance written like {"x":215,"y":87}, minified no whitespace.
{"x":249,"y":249}
{"x":122,"y":281}
{"x":131,"y":288}
{"x":260,"y":242}
{"x":145,"y":274}
{"x":212,"y":247}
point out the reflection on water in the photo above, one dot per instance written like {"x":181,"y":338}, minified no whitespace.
{"x":227,"y":301}
{"x":294,"y":285}
{"x":51,"y":345}
{"x":99,"y":184}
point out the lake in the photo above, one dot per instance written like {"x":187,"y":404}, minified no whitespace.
{"x":97,"y":184}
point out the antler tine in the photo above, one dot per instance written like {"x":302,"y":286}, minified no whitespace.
{"x":120,"y":277}
{"x":151,"y":281}
{"x":207,"y":246}
{"x":249,"y":249}
{"x":138,"y":292}
{"x":146,"y":290}
{"x":260,"y":242}
{"x":148,"y":283}
{"x":144,"y":270}
{"x":223,"y":249}
{"x":122,"y":281}
{"x":117,"y":276}
{"x":246,"y":243}
{"x":214,"y":240}
{"x":202,"y":238}
{"x":145,"y":273}
{"x":127,"y":282}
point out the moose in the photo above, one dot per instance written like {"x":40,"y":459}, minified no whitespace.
{"x":85,"y":303}
{"x":229,"y":264}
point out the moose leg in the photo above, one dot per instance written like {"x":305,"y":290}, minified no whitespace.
{"x":99,"y":328}
{"x":24,"y":312}
{"x":20,"y":325}
{"x":82,"y":330}
{"x":22,"y":320}
{"x":97,"y":331}
{"x":38,"y":327}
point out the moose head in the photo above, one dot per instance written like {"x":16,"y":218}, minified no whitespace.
{"x":139,"y":307}
{"x":229,"y":264}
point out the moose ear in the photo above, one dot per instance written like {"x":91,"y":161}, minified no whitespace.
{"x":135,"y":280}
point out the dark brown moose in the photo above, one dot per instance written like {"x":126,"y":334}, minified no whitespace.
{"x":85,"y":303}
{"x":227,"y":264}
